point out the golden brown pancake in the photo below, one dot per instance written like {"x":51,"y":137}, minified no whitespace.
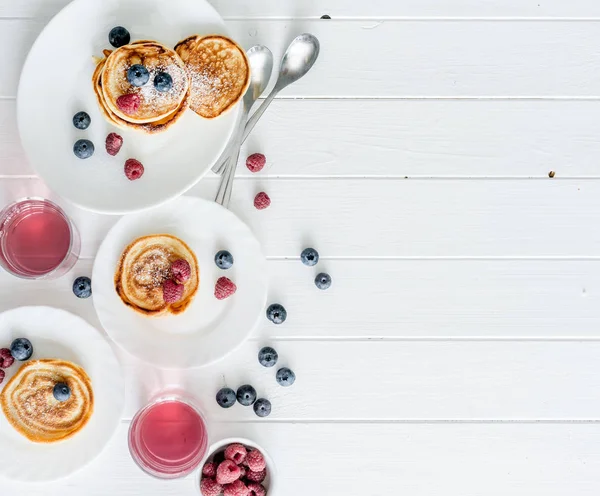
{"x":29,"y":404}
{"x":219,"y":73}
{"x":143,"y":268}
{"x":154,"y":104}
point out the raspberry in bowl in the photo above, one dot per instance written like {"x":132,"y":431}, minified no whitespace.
{"x":237,"y":466}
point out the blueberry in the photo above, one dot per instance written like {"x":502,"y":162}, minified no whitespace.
{"x":119,"y":36}
{"x":226,"y":397}
{"x":163,"y":82}
{"x":83,"y":148}
{"x":61,"y":391}
{"x":309,"y":256}
{"x":246,"y":395}
{"x":21,"y":349}
{"x":262,"y":407}
{"x":276,"y":313}
{"x":267,"y":356}
{"x":138,"y":75}
{"x":81,"y":120}
{"x":323,"y":280}
{"x":285,"y":377}
{"x":224,"y":259}
{"x":82,"y":287}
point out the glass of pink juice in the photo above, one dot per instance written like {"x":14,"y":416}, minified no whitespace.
{"x":168,"y":437}
{"x":37,"y":240}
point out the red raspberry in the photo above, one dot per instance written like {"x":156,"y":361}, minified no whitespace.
{"x":236,"y":452}
{"x":256,"y":162}
{"x":262,"y":201}
{"x":2,"y":374}
{"x":256,"y":461}
{"x":172,"y":292}
{"x":133,"y":169}
{"x":114,"y":142}
{"x":209,"y":487}
{"x":209,"y":469}
{"x":224,"y":288}
{"x":129,"y":104}
{"x":227,"y":472}
{"x":256,"y":476}
{"x":6,"y":359}
{"x":181,"y":270}
{"x":237,"y":488}
{"x":256,"y":489}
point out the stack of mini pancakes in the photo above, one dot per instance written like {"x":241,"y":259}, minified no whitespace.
{"x":210,"y":74}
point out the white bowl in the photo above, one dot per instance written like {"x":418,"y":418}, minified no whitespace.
{"x":270,"y":481}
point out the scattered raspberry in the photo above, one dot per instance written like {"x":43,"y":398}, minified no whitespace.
{"x":256,"y":476}
{"x":237,"y":488}
{"x":2,"y":374}
{"x":209,"y":469}
{"x":236,"y":452}
{"x":262,"y":201}
{"x":6,"y":358}
{"x":256,"y":461}
{"x":129,"y":104}
{"x":256,"y":489}
{"x":133,"y":169}
{"x":209,"y":487}
{"x":224,"y":288}
{"x":114,"y":142}
{"x":181,"y":270}
{"x":172,"y":292}
{"x":256,"y":162}
{"x":227,"y":472}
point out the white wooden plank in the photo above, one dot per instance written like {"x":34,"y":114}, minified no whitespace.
{"x":379,"y":9}
{"x":362,"y":459}
{"x":414,"y":138}
{"x":414,"y":58}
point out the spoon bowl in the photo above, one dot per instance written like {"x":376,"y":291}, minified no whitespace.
{"x":298,"y":59}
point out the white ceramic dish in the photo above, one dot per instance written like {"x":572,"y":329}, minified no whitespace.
{"x":209,"y":328}
{"x":270,"y":481}
{"x":56,"y":83}
{"x":58,"y":334}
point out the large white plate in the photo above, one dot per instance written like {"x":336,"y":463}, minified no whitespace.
{"x":56,"y":83}
{"x":209,"y":328}
{"x":58,"y":334}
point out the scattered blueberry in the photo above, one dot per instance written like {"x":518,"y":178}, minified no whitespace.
{"x":138,"y":75}
{"x":326,"y":16}
{"x":224,"y":259}
{"x":276,"y":313}
{"x":119,"y":36}
{"x":83,"y":148}
{"x":267,"y":356}
{"x":163,"y":82}
{"x":285,"y":377}
{"x":246,"y":395}
{"x":82,"y":287}
{"x":262,"y":407}
{"x":21,"y":349}
{"x":309,"y":256}
{"x":323,"y":280}
{"x":226,"y":397}
{"x":81,"y":120}
{"x":61,"y":391}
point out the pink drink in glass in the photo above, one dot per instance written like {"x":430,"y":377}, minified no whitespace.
{"x":37,"y":240}
{"x":168,"y":437}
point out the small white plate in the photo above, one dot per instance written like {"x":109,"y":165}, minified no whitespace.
{"x":58,"y":334}
{"x":56,"y":82}
{"x":209,"y":328}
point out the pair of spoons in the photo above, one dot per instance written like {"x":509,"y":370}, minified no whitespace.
{"x":299,"y":57}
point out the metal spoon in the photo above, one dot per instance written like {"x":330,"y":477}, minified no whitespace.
{"x":297,"y":60}
{"x":260,"y":59}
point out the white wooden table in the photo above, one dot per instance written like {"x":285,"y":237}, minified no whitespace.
{"x":457,"y":351}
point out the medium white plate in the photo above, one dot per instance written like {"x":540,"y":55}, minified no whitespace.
{"x":209,"y":328}
{"x":56,"y":83}
{"x":58,"y":334}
